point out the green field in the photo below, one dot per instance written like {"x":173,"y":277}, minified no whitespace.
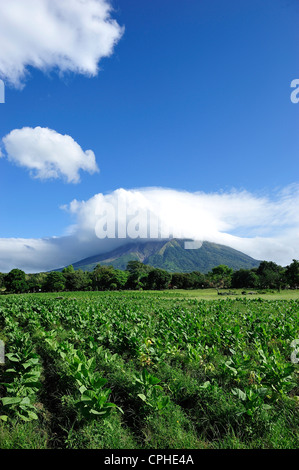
{"x":149,"y":370}
{"x":211,"y":294}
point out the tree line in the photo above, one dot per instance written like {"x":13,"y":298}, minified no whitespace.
{"x":139,"y":276}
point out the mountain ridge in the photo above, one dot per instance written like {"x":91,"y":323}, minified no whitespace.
{"x":171,"y":256}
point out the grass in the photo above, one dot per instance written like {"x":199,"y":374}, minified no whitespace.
{"x":198,"y":294}
{"x":211,"y":294}
{"x":20,"y":435}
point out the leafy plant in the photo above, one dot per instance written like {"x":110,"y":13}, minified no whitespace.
{"x":92,"y":399}
{"x":252,"y":399}
{"x":149,"y":391}
{"x":23,"y":382}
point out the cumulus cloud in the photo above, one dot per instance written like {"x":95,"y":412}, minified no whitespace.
{"x":265,"y":227}
{"x":262,"y":226}
{"x":48,"y":154}
{"x":41,"y":255}
{"x":65,"y":35}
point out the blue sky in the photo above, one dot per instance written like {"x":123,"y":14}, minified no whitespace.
{"x":194,"y":96}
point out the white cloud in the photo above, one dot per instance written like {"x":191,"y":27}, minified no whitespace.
{"x":48,"y":154}
{"x":264,"y":227}
{"x":40,"y":255}
{"x":66,"y":35}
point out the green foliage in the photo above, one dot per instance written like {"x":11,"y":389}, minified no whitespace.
{"x":153,"y":369}
{"x":68,"y":269}
{"x":55,"y":282}
{"x":91,"y":400}
{"x":194,"y":280}
{"x":15,"y":281}
{"x":252,"y":400}
{"x":245,"y":278}
{"x":22,"y":382}
{"x":139,"y":276}
{"x":35,"y":282}
{"x":292,"y":274}
{"x":76,"y":280}
{"x":108,"y":278}
{"x":149,"y":391}
{"x":270,"y":275}
{"x":221,"y":276}
{"x":2,"y":280}
{"x":158,"y":279}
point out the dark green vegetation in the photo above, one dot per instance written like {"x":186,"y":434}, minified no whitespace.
{"x":151,"y":370}
{"x":171,"y":256}
{"x":140,"y":276}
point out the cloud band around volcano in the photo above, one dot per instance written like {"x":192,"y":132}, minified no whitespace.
{"x":260,"y":226}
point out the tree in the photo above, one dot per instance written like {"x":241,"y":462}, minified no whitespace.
{"x":244,"y":278}
{"x":15,"y":281}
{"x":76,"y":280}
{"x":158,"y":279}
{"x":271,"y":275}
{"x":221,"y":276}
{"x":136,"y":266}
{"x":178,"y":280}
{"x":193,"y":280}
{"x":197,"y":280}
{"x":35,"y":282}
{"x":2,"y":279}
{"x":68,"y":269}
{"x":108,"y":278}
{"x":292,"y":274}
{"x":121,"y":278}
{"x":137,"y":274}
{"x":55,"y":282}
